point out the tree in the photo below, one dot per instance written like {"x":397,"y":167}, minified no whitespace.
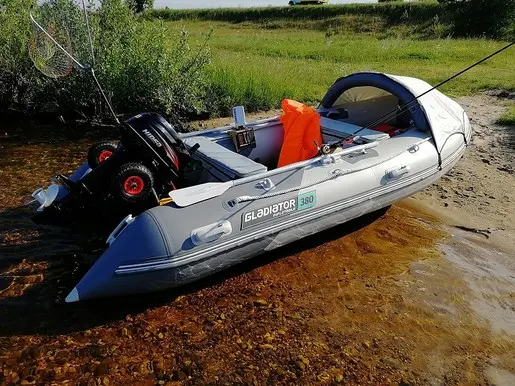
{"x":481,"y":17}
{"x":139,"y":6}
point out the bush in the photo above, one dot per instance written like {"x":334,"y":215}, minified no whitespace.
{"x":17,"y":74}
{"x":139,"y":6}
{"x":492,"y":18}
{"x":136,"y":62}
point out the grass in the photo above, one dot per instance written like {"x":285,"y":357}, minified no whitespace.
{"x":508,"y":118}
{"x":257,"y":64}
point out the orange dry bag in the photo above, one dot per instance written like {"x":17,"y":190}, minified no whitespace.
{"x":301,"y":131}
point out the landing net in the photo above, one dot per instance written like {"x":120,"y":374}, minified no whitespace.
{"x":49,"y":50}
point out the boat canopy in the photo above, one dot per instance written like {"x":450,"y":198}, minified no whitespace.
{"x":370,"y":95}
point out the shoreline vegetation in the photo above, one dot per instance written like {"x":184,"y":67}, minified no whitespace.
{"x":508,"y":118}
{"x":393,"y":11}
{"x":191,"y":64}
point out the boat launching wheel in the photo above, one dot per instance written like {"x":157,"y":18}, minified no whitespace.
{"x":133,"y":183}
{"x":99,"y":152}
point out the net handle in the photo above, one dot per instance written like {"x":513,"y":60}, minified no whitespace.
{"x":57,"y":44}
{"x":90,"y":38}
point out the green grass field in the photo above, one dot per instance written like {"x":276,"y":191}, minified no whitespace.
{"x":258,"y":64}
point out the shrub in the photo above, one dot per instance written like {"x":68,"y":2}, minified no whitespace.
{"x":493,"y":18}
{"x":17,"y":75}
{"x":137,"y":63}
{"x":139,"y":6}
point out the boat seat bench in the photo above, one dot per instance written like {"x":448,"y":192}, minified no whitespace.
{"x":231,"y":164}
{"x":344,"y":129}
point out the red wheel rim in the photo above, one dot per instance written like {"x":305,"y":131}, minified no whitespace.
{"x":133,"y":185}
{"x":104,"y":155}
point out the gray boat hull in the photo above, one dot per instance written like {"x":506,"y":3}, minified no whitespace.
{"x":244,"y":204}
{"x":114,"y":275}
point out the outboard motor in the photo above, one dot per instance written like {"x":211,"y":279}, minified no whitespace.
{"x":147,"y":160}
{"x":119,"y":178}
{"x":123,"y":178}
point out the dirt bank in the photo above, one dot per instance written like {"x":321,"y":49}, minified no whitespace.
{"x":398,"y":297}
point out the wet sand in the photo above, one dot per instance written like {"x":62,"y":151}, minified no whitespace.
{"x":423,"y":293}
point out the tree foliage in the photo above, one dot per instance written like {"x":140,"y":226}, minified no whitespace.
{"x":139,"y":6}
{"x":139,"y":65}
{"x":492,"y":18}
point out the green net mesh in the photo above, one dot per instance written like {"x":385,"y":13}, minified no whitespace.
{"x":47,"y":56}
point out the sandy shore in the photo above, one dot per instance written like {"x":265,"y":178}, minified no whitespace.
{"x":423,"y":294}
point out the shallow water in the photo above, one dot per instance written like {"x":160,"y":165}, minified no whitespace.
{"x":490,"y":276}
{"x":374,"y":301}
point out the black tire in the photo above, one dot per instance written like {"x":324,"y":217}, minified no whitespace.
{"x":133,"y":183}
{"x":99,"y":152}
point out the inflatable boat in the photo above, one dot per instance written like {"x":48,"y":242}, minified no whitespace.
{"x":196,"y":203}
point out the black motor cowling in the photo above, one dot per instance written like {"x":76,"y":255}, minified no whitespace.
{"x":150,"y":148}
{"x":151,"y":132}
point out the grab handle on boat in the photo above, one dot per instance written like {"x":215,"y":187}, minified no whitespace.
{"x":119,"y":228}
{"x":266,"y":184}
{"x":211,"y":232}
{"x":398,"y":172}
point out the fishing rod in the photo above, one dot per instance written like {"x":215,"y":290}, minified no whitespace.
{"x":408,"y":105}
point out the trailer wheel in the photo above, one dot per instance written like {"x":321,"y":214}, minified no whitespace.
{"x":133,"y":183}
{"x":99,"y":152}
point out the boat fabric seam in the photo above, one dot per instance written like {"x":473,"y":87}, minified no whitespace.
{"x":126,"y":268}
{"x":161,"y":232}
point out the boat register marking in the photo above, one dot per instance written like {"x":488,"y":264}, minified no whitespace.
{"x":256,"y":216}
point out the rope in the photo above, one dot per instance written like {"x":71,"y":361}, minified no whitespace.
{"x":90,"y":38}
{"x":336,"y":173}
